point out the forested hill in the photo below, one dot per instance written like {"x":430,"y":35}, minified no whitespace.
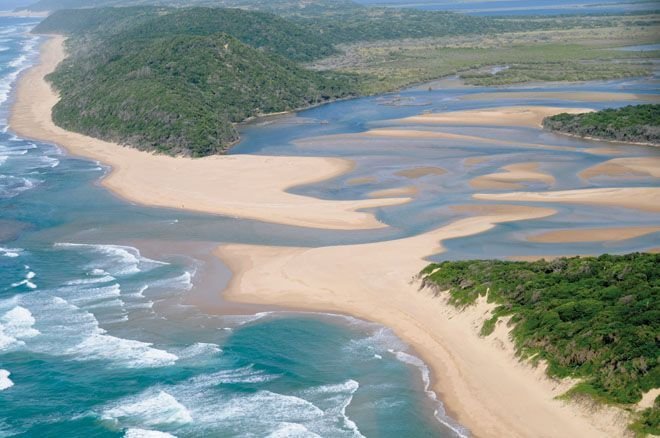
{"x":633,"y":123}
{"x":126,"y":26}
{"x":284,"y":7}
{"x":132,"y":81}
{"x":596,"y":319}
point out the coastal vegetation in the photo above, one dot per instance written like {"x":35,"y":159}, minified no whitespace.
{"x":633,"y":123}
{"x":568,"y":49}
{"x":595,"y":319}
{"x":168,"y":81}
{"x":161,"y":78}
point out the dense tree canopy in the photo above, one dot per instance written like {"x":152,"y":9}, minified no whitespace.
{"x":633,"y":123}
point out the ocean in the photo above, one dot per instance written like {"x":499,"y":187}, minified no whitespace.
{"x":98,"y":339}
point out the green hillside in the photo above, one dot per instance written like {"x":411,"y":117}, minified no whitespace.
{"x":128,"y":26}
{"x":180,"y":92}
{"x":633,"y":123}
{"x":284,"y":7}
{"x":595,"y":319}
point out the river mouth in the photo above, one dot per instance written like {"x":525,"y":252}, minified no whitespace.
{"x":122,"y":302}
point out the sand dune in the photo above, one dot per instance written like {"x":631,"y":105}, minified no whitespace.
{"x":247,"y":186}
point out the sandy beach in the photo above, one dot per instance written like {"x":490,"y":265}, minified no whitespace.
{"x":482,"y":383}
{"x":246,"y":186}
{"x":480,"y":380}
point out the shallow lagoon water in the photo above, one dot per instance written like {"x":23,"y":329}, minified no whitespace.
{"x":100,"y":337}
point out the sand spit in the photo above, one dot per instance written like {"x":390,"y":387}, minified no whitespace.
{"x":514,"y":175}
{"x":530,"y":116}
{"x":592,"y":234}
{"x":247,"y":186}
{"x":637,"y":198}
{"x":485,"y":386}
{"x":621,"y":167}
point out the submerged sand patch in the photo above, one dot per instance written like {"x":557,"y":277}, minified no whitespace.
{"x":637,"y":198}
{"x":513,"y":177}
{"x":579,"y":96}
{"x":612,"y":234}
{"x":621,"y":167}
{"x":397,"y":191}
{"x":419,"y":172}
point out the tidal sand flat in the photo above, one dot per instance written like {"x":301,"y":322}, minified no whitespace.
{"x":601,"y":96}
{"x":636,"y":198}
{"x":504,"y":116}
{"x":592,"y":234}
{"x":247,"y":186}
{"x":622,"y":167}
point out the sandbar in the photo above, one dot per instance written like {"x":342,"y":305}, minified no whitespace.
{"x":526,"y":116}
{"x":512,"y":177}
{"x":637,"y":198}
{"x":621,"y":167}
{"x":613,"y":234}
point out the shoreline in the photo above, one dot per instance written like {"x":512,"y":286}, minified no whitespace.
{"x":247,"y":186}
{"x":487,"y":399}
{"x":472,"y":394}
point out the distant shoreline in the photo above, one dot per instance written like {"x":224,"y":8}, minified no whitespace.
{"x":481,"y":381}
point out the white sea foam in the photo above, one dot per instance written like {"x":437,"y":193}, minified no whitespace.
{"x":67,"y":330}
{"x":199,"y":349}
{"x":27,"y":283}
{"x":16,"y":325}
{"x":10,"y":252}
{"x":130,"y":353}
{"x":145,"y":433}
{"x":150,"y":409}
{"x":120,"y":260}
{"x":292,"y":430}
{"x":5,"y":381}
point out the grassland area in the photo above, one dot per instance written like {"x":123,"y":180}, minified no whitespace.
{"x":585,"y":52}
{"x":592,"y":319}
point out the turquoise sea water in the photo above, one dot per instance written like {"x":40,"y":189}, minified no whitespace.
{"x":97,"y":339}
{"x":99,"y":334}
